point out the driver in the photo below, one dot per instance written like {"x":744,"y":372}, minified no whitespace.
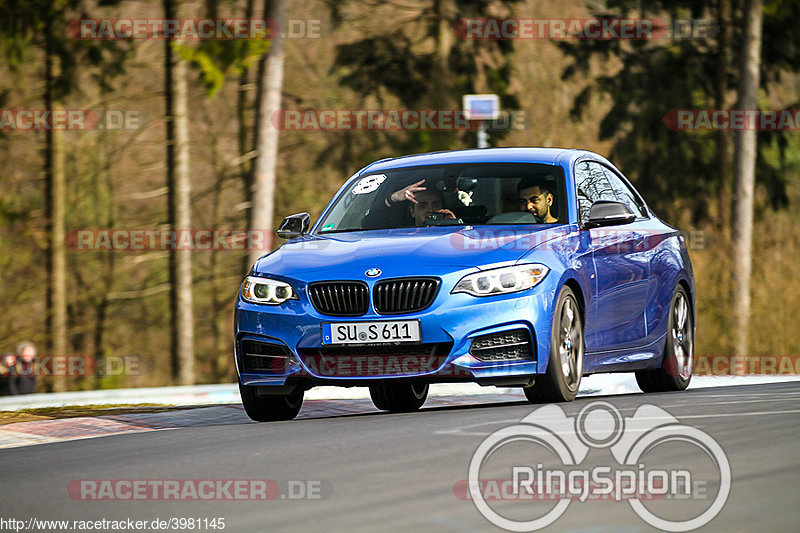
{"x":536,"y":196}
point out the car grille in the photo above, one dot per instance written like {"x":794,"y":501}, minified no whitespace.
{"x":263,"y":357}
{"x":511,"y":345}
{"x":394,"y":296}
{"x":375,"y":360}
{"x":339,"y":298}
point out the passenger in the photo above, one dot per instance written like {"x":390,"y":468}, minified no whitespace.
{"x":536,"y":196}
{"x":417,"y":200}
{"x":425,"y":204}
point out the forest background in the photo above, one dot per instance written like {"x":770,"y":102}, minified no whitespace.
{"x":608,"y":96}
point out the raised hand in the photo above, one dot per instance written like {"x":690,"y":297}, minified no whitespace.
{"x":407,"y":193}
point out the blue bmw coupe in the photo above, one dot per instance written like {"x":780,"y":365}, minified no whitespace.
{"x":513,"y":267}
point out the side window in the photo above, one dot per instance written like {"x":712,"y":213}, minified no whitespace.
{"x":625,"y":194}
{"x":592,"y":185}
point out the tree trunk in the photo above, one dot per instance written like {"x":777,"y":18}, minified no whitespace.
{"x":723,"y":137}
{"x":220,"y":292}
{"x":242,"y":105}
{"x":723,"y":157}
{"x":105,"y":189}
{"x":182,"y":320}
{"x":56,"y":215}
{"x":267,"y":135}
{"x":442,"y":100}
{"x":744,"y":168}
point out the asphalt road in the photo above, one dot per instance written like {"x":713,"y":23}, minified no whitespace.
{"x":382,"y":472}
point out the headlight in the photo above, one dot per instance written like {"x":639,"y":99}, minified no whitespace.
{"x":502,"y":280}
{"x":266,"y":291}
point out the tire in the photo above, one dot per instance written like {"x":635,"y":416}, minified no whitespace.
{"x":561,"y":380}
{"x":399,"y":398}
{"x":270,"y":408}
{"x":676,"y":369}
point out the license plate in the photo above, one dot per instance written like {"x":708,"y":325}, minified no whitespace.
{"x":370,"y":332}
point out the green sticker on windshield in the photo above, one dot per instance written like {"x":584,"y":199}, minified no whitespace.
{"x":326,"y":227}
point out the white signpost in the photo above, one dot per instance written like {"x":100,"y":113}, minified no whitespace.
{"x":481,"y":107}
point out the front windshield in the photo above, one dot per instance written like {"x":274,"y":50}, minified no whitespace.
{"x":450,"y":195}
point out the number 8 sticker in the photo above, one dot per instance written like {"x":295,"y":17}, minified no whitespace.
{"x":369,"y":184}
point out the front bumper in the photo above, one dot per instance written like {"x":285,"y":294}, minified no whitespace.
{"x":296,"y":355}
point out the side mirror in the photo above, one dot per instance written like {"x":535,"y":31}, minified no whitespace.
{"x":608,"y":213}
{"x":294,"y":226}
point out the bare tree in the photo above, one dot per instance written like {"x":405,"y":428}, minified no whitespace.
{"x":56,"y":213}
{"x":242,"y":116}
{"x":180,"y":262}
{"x":266,"y":135}
{"x":441,"y":81}
{"x":744,"y":169}
{"x":720,"y":90}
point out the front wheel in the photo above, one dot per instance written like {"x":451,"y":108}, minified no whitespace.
{"x":399,"y":398}
{"x":564,"y":371}
{"x":270,"y":408}
{"x":676,"y":369}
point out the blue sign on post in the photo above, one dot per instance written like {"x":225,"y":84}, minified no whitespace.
{"x":481,"y":106}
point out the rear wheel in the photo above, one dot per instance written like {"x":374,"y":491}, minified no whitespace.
{"x":676,"y":369}
{"x":399,"y":398}
{"x":564,"y":371}
{"x":270,"y":408}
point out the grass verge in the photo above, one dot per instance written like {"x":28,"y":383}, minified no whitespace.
{"x":72,"y":411}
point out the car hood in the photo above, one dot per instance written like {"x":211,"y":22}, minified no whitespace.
{"x":406,"y":251}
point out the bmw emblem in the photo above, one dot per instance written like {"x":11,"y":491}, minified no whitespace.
{"x":373,"y":272}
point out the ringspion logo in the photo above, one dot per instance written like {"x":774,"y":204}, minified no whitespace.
{"x":543,"y":458}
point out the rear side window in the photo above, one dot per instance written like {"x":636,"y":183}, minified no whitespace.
{"x":625,"y":194}
{"x":592,"y":185}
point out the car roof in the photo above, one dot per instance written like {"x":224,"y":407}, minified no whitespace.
{"x":549,"y":156}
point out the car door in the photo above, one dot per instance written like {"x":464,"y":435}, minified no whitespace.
{"x":621,"y":266}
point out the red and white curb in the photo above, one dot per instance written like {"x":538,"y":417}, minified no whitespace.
{"x":321,"y":402}
{"x":65,"y":429}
